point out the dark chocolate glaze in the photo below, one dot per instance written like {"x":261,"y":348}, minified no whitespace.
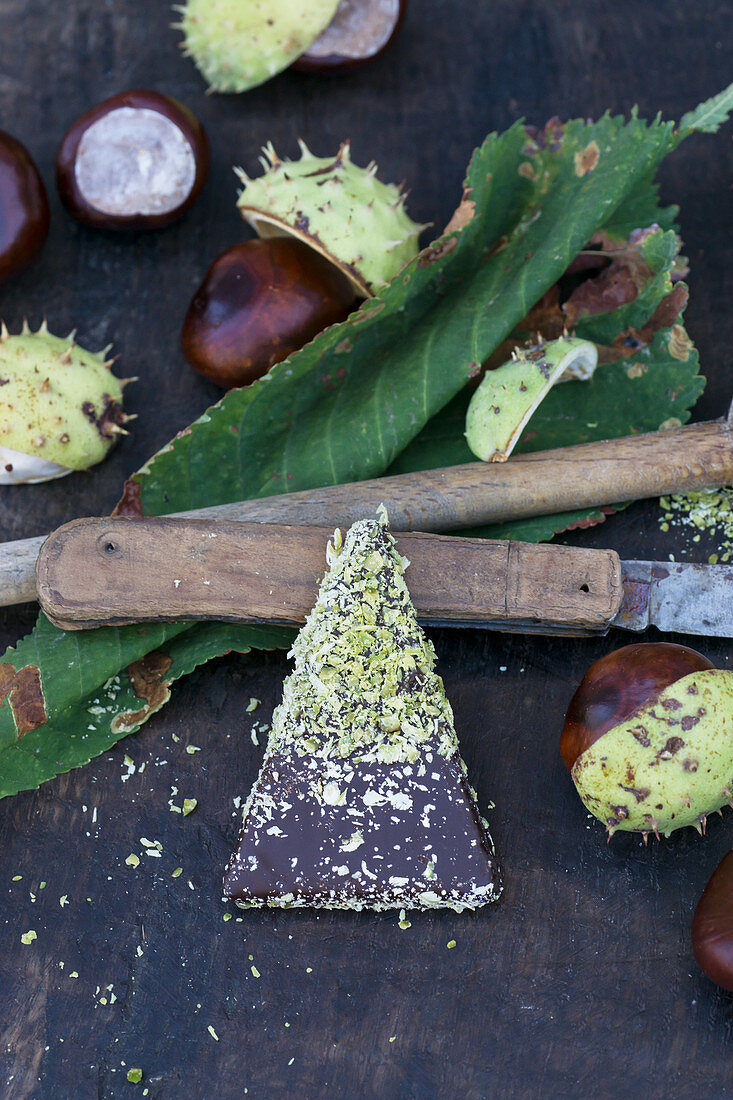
{"x":299,"y":850}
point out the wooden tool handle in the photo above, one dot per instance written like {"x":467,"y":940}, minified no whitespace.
{"x":114,"y":571}
{"x":696,"y":456}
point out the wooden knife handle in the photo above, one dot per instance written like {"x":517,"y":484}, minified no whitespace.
{"x":95,"y":572}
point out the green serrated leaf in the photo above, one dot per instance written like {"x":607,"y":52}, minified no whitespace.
{"x":710,"y":115}
{"x":90,"y":724}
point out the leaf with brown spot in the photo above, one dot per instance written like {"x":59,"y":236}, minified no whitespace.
{"x":25,"y":691}
{"x":462,"y":214}
{"x":149,"y":682}
{"x":587,"y":159}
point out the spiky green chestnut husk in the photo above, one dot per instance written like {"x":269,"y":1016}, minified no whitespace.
{"x":60,"y":406}
{"x":508,"y":395}
{"x":341,"y":210}
{"x":669,"y":764}
{"x":238,"y":44}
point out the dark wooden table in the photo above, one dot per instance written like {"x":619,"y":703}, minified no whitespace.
{"x":580,"y":982}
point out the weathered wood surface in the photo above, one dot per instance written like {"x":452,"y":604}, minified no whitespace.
{"x":580,"y":981}
{"x":696,"y":456}
{"x":112,"y":571}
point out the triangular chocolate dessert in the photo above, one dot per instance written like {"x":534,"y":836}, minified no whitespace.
{"x":362,"y":800}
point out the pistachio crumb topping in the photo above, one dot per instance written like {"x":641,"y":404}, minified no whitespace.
{"x":362,"y":798}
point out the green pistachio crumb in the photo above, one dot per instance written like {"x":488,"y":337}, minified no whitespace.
{"x":17,"y":878}
{"x":392,"y":1038}
{"x":178,"y":871}
{"x":450,"y":943}
{"x":132,"y":860}
{"x":212,"y":1033}
{"x":191,"y":749}
{"x":189,"y":805}
{"x":252,"y":705}
{"x":227,"y":916}
{"x":74,"y":974}
{"x":42,"y":886}
{"x":28,"y":937}
{"x":135,"y":1075}
{"x":255,"y":971}
{"x":63,"y":900}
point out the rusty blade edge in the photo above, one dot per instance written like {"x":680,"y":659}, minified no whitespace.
{"x":677,"y":597}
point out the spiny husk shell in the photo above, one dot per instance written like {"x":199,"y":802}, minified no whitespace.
{"x":238,"y":44}
{"x":341,"y":210}
{"x":669,"y":764}
{"x":507,"y":396}
{"x":59,"y":404}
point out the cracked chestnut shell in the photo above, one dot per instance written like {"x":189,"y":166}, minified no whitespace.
{"x":359,"y":31}
{"x":24,"y":215}
{"x":712,"y":926}
{"x":259,"y":302}
{"x":619,"y":683}
{"x":135,"y":161}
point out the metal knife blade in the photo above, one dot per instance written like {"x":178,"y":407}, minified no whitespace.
{"x":681,"y":597}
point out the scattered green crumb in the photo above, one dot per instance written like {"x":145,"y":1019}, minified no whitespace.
{"x":291,"y":1061}
{"x":191,"y":749}
{"x":189,"y":805}
{"x":287,"y":1024}
{"x":178,"y":871}
{"x":212,"y":1033}
{"x":403,"y":923}
{"x":708,"y":512}
{"x":250,"y":957}
{"x":42,"y":886}
{"x":252,"y":705}
{"x":17,"y":878}
{"x":450,"y":943}
{"x":63,"y":900}
{"x":255,"y":971}
{"x":28,"y":937}
{"x":309,"y":969}
{"x":392,"y":1038}
{"x":135,"y":1075}
{"x":227,"y":916}
{"x":74,"y":974}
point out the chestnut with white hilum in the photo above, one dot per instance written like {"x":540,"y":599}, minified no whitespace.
{"x":136,"y":161}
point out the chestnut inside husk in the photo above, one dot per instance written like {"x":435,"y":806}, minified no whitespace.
{"x":135,"y":161}
{"x":359,"y":31}
{"x":24,"y":217}
{"x":259,"y":302}
{"x":614,"y":686}
{"x":712,"y":926}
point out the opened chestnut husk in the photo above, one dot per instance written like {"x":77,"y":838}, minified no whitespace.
{"x":648,"y":739}
{"x":259,"y":302}
{"x":359,"y":31}
{"x":24,"y":217}
{"x":136,"y":161}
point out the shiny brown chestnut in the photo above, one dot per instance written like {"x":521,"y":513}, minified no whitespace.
{"x":136,"y":161}
{"x":24,"y":215}
{"x":617,"y":684}
{"x":359,"y":31}
{"x":259,"y":302}
{"x":712,"y":926}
